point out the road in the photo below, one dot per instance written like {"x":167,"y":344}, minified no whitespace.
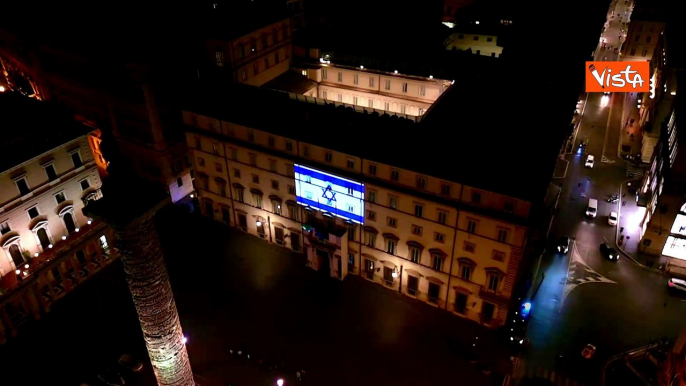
{"x":585,"y":298}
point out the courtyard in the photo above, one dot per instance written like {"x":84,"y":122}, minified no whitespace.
{"x":234,"y":290}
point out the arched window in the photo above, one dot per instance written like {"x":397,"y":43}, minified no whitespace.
{"x":42,"y":234}
{"x":43,"y":238}
{"x":17,"y":257}
{"x":67,"y":215}
{"x":13,"y":250}
{"x":69,"y":222}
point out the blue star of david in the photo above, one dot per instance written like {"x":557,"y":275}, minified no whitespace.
{"x":329,"y":195}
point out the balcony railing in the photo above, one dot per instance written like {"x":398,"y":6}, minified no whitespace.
{"x":357,"y":108}
{"x":62,"y":250}
{"x":93,"y":195}
{"x":423,"y":296}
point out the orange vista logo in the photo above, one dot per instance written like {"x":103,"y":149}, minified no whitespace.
{"x":617,"y":77}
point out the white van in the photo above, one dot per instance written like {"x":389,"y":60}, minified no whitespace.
{"x":592,"y":209}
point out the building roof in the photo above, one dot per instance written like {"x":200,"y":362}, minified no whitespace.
{"x":232,"y":19}
{"x":291,"y":81}
{"x":470,"y":137}
{"x":485,"y":29}
{"x":31,"y":127}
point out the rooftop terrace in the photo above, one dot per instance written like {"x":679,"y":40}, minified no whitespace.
{"x":474,"y":134}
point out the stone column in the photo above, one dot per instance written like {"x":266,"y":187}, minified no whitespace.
{"x":146,"y":274}
{"x":132,"y":217}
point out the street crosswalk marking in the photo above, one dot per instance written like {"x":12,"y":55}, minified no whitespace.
{"x":579,"y":273}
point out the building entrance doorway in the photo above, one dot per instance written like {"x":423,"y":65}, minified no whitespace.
{"x":324,"y":262}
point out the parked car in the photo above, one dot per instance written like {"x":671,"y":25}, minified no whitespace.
{"x":588,"y":351}
{"x":590,"y":160}
{"x":612,"y":218}
{"x":563,"y":245}
{"x":130,"y":363}
{"x":677,"y":284}
{"x":609,"y":252}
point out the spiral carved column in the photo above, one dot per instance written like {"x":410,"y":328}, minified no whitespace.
{"x":148,"y":280}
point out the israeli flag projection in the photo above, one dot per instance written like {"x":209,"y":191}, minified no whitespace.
{"x":328,"y":193}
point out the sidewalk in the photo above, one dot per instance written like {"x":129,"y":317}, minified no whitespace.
{"x":631,"y":135}
{"x":630,"y":217}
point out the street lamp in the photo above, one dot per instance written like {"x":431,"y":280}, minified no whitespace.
{"x":279,"y":382}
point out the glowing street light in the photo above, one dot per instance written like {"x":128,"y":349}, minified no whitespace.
{"x":184,"y":340}
{"x":279,"y":382}
{"x":258,"y":223}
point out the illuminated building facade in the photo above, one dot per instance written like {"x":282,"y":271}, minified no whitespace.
{"x":432,"y":238}
{"x":479,"y":41}
{"x":47,"y":175}
{"x":129,"y":100}
{"x":253,"y":57}
{"x":644,"y":39}
{"x":662,"y":190}
{"x":364,"y":89}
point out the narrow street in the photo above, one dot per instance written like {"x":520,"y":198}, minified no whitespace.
{"x":584,"y":298}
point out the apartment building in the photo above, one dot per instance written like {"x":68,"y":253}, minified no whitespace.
{"x":252,"y":50}
{"x":354,"y":209}
{"x":644,"y":38}
{"x":662,"y":192}
{"x":47,"y":175}
{"x":366,"y":89}
{"x":130,"y":98}
{"x":476,"y":39}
